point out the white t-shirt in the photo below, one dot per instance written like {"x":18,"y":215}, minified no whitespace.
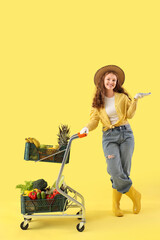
{"x":110,"y":109}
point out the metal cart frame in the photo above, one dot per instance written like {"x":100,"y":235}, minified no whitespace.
{"x":72,"y":201}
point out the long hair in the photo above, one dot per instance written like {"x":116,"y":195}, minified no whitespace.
{"x":98,"y":100}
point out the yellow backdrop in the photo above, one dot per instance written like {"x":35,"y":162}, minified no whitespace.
{"x":50,"y":51}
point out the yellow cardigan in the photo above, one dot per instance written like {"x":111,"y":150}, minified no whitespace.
{"x":125,"y":108}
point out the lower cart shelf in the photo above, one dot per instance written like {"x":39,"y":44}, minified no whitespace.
{"x":29,"y":206}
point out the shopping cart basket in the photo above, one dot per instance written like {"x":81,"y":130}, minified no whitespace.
{"x":68,"y":198}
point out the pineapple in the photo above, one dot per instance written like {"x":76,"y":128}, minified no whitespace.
{"x":63,"y":135}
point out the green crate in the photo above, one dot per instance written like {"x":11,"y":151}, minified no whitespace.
{"x":29,"y":206}
{"x":32,"y":154}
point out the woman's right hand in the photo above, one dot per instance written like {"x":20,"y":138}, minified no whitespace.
{"x":140,"y":95}
{"x":84,"y":130}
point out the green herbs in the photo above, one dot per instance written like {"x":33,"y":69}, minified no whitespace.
{"x":30,"y":185}
{"x":27,"y":186}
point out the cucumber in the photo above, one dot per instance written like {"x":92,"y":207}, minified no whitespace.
{"x":38,"y":195}
{"x":43,"y":195}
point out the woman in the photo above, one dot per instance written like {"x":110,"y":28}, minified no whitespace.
{"x":113,"y":106}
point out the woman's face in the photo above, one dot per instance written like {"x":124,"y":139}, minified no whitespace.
{"x":110,"y":81}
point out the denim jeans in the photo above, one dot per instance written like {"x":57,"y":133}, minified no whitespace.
{"x":118,"y":147}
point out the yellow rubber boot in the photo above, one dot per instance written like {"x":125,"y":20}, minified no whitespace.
{"x":116,"y":203}
{"x":135,"y":196}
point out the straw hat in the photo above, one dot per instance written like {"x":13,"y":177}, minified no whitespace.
{"x":114,"y":68}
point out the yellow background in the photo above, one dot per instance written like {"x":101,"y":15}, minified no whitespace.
{"x":50,"y":51}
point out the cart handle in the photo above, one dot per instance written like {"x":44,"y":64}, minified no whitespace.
{"x":82,"y":135}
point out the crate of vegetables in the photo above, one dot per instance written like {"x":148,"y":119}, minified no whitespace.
{"x":56,"y":156}
{"x":37,"y":197}
{"x":48,"y":153}
{"x":33,"y":154}
{"x":47,"y":203}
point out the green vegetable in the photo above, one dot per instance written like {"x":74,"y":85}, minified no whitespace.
{"x":38,"y":195}
{"x":43,"y":195}
{"x":61,"y":182}
{"x":40,"y":184}
{"x":27,"y":186}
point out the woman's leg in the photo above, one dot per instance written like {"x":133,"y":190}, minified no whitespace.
{"x":135,"y":196}
{"x":126,"y":152}
{"x":119,"y":179}
{"x":116,"y":197}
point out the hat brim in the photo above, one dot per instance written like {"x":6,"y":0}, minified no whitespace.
{"x":101,"y":72}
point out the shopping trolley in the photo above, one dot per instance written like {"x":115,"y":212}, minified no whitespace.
{"x":68,"y":197}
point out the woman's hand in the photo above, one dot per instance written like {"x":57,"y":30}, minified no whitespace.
{"x":84,"y":130}
{"x":140,"y":95}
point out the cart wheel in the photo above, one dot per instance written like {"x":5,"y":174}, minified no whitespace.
{"x":80,"y":212}
{"x":24,"y":227}
{"x":80,"y":227}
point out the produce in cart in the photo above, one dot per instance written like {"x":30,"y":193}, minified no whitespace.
{"x":32,"y":185}
{"x":34,"y":150}
{"x":40,"y":184}
{"x":63,"y":135}
{"x":28,"y":186}
{"x":33,"y":140}
{"x":39,"y":189}
{"x":33,"y":195}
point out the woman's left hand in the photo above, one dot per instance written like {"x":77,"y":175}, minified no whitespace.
{"x":140,"y":95}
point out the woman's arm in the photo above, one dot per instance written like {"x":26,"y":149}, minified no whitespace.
{"x":131,"y":107}
{"x":94,"y":119}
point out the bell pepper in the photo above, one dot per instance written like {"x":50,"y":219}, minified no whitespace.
{"x":50,"y":196}
{"x":33,"y":195}
{"x":27,"y":192}
{"x":36,"y":189}
{"x":55,"y":192}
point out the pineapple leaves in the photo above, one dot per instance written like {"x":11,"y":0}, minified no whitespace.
{"x":63,"y":135}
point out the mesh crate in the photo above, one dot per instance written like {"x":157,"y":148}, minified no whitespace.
{"x":29,"y":206}
{"x":32,"y":154}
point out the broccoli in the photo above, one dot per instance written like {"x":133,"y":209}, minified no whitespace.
{"x":40,"y":184}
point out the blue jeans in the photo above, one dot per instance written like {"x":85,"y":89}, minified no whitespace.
{"x":118,"y":146}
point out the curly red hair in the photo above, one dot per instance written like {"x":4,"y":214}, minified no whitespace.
{"x":98,"y":100}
